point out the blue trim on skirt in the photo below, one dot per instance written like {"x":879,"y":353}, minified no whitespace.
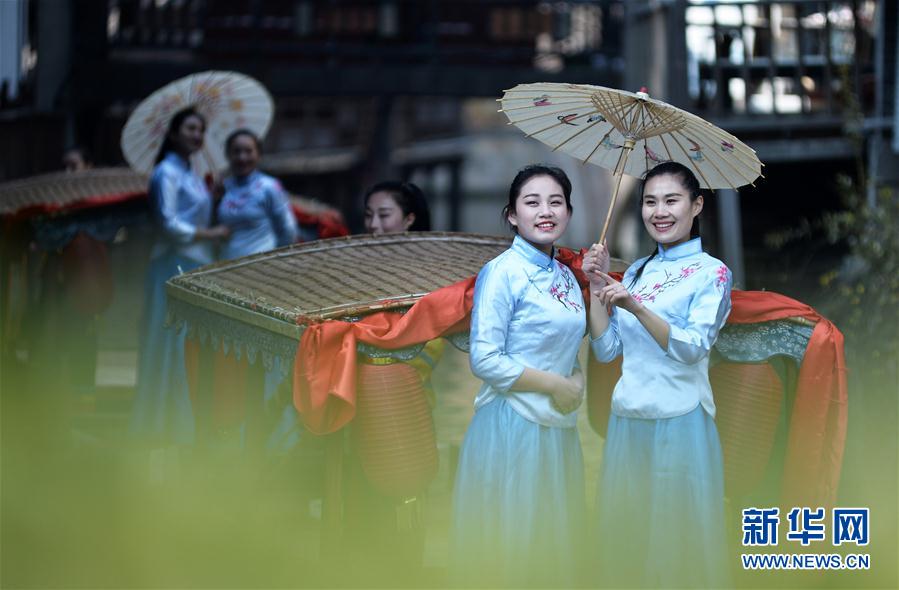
{"x":660,"y":503}
{"x":162,"y":412}
{"x":519,"y":508}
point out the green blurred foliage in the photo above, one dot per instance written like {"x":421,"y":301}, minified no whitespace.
{"x":861,"y":295}
{"x":864,"y":291}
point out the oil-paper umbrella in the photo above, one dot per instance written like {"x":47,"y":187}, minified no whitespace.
{"x":603,"y":126}
{"x":227,"y":100}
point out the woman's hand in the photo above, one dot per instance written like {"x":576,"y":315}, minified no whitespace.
{"x":216,"y":232}
{"x":565,"y":393}
{"x":578,"y":377}
{"x":614,"y":293}
{"x":596,"y":261}
{"x":567,"y":397}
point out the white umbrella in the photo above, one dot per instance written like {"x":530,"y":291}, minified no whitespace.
{"x":602,"y":126}
{"x":227,"y":100}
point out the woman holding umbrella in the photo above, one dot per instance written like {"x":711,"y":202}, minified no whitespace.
{"x":182,"y":211}
{"x":176,"y":135}
{"x":661,"y":490}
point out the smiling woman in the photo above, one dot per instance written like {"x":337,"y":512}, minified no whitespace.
{"x":254,"y":207}
{"x":661,"y":490}
{"x":392,"y":207}
{"x":541,"y":213}
{"x":519,"y":503}
{"x":671,"y":204}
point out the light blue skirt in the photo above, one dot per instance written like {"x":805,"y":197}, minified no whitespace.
{"x":661,"y":504}
{"x":519,"y":508}
{"x":162,"y":412}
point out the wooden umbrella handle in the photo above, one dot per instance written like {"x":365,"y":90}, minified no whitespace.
{"x":605,"y":227}
{"x":619,"y":172}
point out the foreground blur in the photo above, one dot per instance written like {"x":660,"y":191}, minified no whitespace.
{"x":82,"y":507}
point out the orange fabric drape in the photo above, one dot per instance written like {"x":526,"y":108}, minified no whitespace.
{"x":324,"y":382}
{"x":328,"y":223}
{"x":325,"y":373}
{"x":817,"y":430}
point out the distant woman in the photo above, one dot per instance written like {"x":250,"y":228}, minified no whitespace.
{"x":254,"y":207}
{"x":182,"y":210}
{"x":256,"y":210}
{"x":393,"y":206}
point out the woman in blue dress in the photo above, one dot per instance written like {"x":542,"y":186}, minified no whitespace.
{"x":254,"y":207}
{"x":519,"y":504}
{"x":182,"y":210}
{"x":661,"y":490}
{"x":256,"y":210}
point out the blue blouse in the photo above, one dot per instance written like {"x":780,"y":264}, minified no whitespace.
{"x":528,"y":312}
{"x":257,"y":211}
{"x":180,"y":204}
{"x":691,"y":291}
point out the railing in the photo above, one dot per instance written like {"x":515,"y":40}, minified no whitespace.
{"x":156,"y":24}
{"x":780,"y":57}
{"x":546,"y":34}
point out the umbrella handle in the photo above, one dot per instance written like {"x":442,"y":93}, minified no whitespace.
{"x":619,"y":172}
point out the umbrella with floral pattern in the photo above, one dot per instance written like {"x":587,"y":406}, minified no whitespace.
{"x":604,"y":126}
{"x":228,"y":101}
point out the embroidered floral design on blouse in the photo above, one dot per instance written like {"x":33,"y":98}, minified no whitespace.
{"x":561,"y":290}
{"x":240,"y":195}
{"x":649,"y":293}
{"x":722,"y":275}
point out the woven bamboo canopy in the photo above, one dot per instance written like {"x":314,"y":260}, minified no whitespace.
{"x":337,"y":278}
{"x":63,"y":190}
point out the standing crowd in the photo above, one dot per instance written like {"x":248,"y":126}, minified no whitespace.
{"x":520,"y":514}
